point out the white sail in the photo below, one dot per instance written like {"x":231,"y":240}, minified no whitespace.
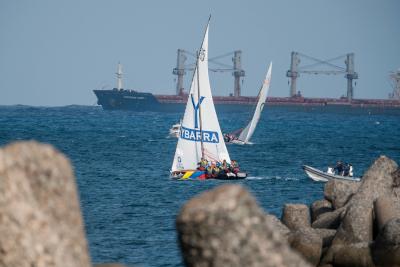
{"x":247,"y":132}
{"x":200,"y":131}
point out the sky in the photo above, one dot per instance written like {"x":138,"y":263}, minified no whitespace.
{"x":54,"y":53}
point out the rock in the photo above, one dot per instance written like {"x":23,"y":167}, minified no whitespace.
{"x":386,"y":249}
{"x":340,"y":191}
{"x":326,"y":235}
{"x":308,"y":243}
{"x":226,"y":227}
{"x":319,"y":207}
{"x":40,"y":218}
{"x":396,"y":178}
{"x":296,"y":216}
{"x":329,"y":220}
{"x":350,"y":247}
{"x":396,"y":183}
{"x":277,"y":225}
{"x":385,"y":209}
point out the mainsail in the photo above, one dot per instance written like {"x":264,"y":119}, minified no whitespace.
{"x":247,"y":132}
{"x":200,"y":134}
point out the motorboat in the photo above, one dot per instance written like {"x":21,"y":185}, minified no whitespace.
{"x":321,"y":176}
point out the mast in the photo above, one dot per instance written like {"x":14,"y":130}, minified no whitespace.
{"x":119,"y":76}
{"x":198,"y":99}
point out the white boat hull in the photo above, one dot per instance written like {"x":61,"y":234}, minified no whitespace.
{"x":321,"y":176}
{"x":237,"y":142}
{"x":175,"y":130}
{"x":174,"y":133}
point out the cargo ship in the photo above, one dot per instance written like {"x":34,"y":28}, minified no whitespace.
{"x":127,"y":99}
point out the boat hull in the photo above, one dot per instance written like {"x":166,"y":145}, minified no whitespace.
{"x":185,"y":175}
{"x":239,"y":142}
{"x":236,"y":142}
{"x":137,"y":101}
{"x":132,"y":100}
{"x":321,"y":176}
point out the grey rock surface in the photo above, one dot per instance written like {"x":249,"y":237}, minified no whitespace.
{"x":385,"y":209}
{"x":396,"y":183}
{"x":319,"y":207}
{"x":329,"y":220}
{"x":396,"y":178}
{"x":226,"y":227}
{"x":351,"y":245}
{"x":308,"y":243}
{"x":277,"y":225}
{"x":296,"y":216}
{"x":339,"y":192}
{"x":386,"y":249}
{"x":327,"y":236}
{"x":40,"y":217}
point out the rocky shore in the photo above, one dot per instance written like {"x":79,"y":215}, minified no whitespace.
{"x":354,"y":224}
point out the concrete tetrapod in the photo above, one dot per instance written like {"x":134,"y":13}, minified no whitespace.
{"x":40,"y":218}
{"x":350,"y":247}
{"x":226,"y":227}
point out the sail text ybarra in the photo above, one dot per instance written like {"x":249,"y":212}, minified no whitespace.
{"x":197,"y":135}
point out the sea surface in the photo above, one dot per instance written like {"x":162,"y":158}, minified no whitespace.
{"x":122,"y":161}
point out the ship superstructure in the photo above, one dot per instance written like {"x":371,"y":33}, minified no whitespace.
{"x":119,"y":98}
{"x":395,"y":82}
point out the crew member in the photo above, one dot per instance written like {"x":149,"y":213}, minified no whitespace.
{"x":351,"y":170}
{"x":339,"y":168}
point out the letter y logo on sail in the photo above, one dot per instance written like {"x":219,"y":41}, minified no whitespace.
{"x":196,"y":109}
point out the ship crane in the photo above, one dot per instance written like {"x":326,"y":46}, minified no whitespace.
{"x":333,"y":69}
{"x":119,"y":76}
{"x":395,"y":82}
{"x":236,"y":69}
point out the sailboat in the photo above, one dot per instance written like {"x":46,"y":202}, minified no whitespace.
{"x":242,"y":136}
{"x":200,"y":138}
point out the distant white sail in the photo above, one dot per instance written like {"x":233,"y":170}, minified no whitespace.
{"x":247,"y":132}
{"x":200,"y":132}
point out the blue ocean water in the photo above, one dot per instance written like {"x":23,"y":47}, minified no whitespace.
{"x":121,"y":160}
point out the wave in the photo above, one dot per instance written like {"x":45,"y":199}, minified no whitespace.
{"x":272,"y":178}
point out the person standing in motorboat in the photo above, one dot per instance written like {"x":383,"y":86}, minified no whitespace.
{"x":346,"y":169}
{"x":339,"y":168}
{"x":351,"y":170}
{"x":330,"y":170}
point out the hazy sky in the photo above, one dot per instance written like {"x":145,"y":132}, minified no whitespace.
{"x":56,"y":52}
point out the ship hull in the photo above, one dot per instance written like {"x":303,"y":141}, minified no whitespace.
{"x":138,"y":101}
{"x":126,"y":100}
